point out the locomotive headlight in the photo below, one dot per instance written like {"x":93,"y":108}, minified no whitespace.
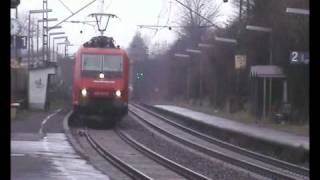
{"x":118,"y":93}
{"x":84,"y":92}
{"x":101,"y":75}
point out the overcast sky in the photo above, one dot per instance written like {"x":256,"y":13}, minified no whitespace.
{"x":130,"y":12}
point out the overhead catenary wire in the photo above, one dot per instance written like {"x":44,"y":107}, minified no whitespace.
{"x":65,"y":6}
{"x":74,"y":13}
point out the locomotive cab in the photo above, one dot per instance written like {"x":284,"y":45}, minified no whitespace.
{"x":101,"y":78}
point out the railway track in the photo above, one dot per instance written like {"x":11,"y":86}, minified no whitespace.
{"x":161,"y":159}
{"x":252,"y":161}
{"x":123,"y":166}
{"x":156,"y":167}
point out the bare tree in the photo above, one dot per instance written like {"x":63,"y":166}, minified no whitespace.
{"x":194,"y":25}
{"x":137,"y":49}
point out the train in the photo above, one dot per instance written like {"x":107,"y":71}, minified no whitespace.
{"x":100,"y":80}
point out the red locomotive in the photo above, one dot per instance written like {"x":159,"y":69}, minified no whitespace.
{"x":100,"y":80}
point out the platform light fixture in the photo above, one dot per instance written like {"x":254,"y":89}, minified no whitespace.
{"x":226,"y":40}
{"x":182,"y":55}
{"x":298,"y":11}
{"x":195,"y":51}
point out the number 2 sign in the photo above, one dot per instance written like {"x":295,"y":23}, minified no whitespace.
{"x":297,"y":57}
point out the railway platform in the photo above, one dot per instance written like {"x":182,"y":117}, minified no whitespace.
{"x":40,"y":149}
{"x":251,"y":130}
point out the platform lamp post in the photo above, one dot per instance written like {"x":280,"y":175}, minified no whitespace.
{"x":66,"y":47}
{"x":49,"y":40}
{"x":186,"y":56}
{"x":40,"y":21}
{"x":78,"y":46}
{"x":57,"y":48}
{"x":206,"y":47}
{"x":56,"y":38}
{"x":265,"y":30}
{"x":66,"y":43}
{"x":230,"y":41}
{"x":198,"y":52}
{"x":52,"y":35}
{"x":233,"y":42}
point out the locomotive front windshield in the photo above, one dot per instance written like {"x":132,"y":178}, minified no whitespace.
{"x":93,"y":64}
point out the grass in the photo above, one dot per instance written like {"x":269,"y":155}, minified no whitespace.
{"x":23,"y":114}
{"x":57,"y":103}
{"x":247,"y":118}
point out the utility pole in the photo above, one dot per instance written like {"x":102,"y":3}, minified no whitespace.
{"x":188,"y":80}
{"x":15,"y":38}
{"x":45,"y":27}
{"x":38,"y":32}
{"x":240,"y":11}
{"x":38,"y":39}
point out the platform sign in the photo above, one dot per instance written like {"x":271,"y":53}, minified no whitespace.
{"x":21,"y":42}
{"x":240,"y":61}
{"x":299,"y":57}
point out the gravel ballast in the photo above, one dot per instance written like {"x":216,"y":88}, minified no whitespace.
{"x":209,"y":167}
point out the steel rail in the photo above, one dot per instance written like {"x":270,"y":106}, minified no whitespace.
{"x":123,"y":166}
{"x":267,"y":159}
{"x":213,"y":153}
{"x":183,"y":171}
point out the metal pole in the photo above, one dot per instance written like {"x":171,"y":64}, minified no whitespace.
{"x":271,"y":52}
{"x":29,"y":41}
{"x":28,"y":62}
{"x":14,"y":45}
{"x":65,"y":50}
{"x":215,"y":87}
{"x":56,"y":54}
{"x":270,"y":88}
{"x":285,"y":96}
{"x":49,"y":46}
{"x":15,"y":38}
{"x":264,"y":99}
{"x":200,"y":78}
{"x":45,"y":28}
{"x":53,"y":49}
{"x":38,"y":39}
{"x":32,"y":47}
{"x":240,"y":11}
{"x":188,"y":83}
{"x":237,"y":81}
{"x":270,"y":95}
{"x":16,"y":49}
{"x":248,"y":8}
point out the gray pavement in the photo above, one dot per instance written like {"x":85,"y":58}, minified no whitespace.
{"x":251,"y":130}
{"x":46,"y":155}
